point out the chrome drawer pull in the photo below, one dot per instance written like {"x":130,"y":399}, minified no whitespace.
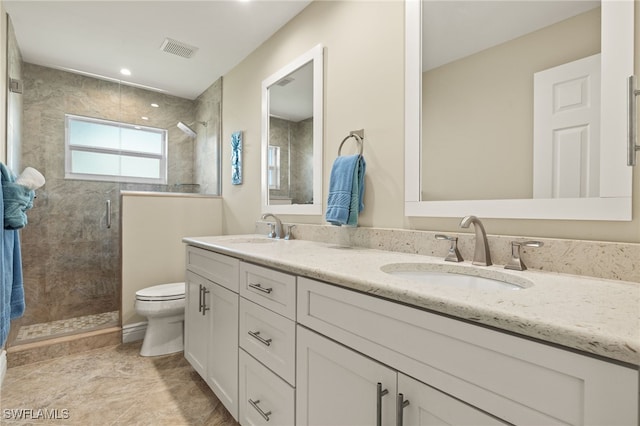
{"x":254,"y":404}
{"x":205,"y":308}
{"x":256,"y":335}
{"x":260,"y":288}
{"x":379,"y":396}
{"x":200,"y":298}
{"x":400,"y":404}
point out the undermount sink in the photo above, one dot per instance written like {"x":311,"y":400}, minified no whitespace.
{"x":457,"y":276}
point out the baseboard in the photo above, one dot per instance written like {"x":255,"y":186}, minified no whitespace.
{"x":133,"y":332}
{"x":3,"y":366}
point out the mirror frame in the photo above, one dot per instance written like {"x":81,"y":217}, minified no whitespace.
{"x":314,"y":55}
{"x":614,"y":202}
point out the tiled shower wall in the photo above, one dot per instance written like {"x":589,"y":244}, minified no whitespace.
{"x":71,"y":260}
{"x":295,"y":140}
{"x":207,"y":144}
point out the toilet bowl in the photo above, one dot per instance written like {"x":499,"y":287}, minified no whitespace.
{"x":163,"y":305}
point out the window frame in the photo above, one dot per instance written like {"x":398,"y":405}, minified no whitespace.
{"x":70,"y":148}
{"x":273,"y":167}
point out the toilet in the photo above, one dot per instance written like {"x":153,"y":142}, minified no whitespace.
{"x":163,"y":305}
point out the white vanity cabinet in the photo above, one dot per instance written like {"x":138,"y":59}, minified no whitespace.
{"x":211,"y":322}
{"x":267,"y":346}
{"x":510,"y":378}
{"x":282,"y":349}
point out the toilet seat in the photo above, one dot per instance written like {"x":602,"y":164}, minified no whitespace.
{"x":157,"y":293}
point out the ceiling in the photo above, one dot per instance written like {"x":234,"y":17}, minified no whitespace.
{"x":291,"y":97}
{"x":101,"y":37}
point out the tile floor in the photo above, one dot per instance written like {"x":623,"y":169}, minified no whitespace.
{"x":110,"y":386}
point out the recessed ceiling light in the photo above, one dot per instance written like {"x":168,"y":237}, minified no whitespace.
{"x":145,"y":118}
{"x":125,"y":71}
{"x":155,"y":105}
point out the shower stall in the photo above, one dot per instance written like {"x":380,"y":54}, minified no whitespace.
{"x":71,"y":248}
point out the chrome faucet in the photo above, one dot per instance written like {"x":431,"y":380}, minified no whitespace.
{"x":278,"y":225}
{"x":481,"y":255}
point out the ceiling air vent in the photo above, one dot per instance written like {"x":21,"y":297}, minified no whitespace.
{"x":285,"y":81}
{"x":178,"y":48}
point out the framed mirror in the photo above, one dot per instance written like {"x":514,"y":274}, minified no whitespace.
{"x":292,"y":137}
{"x":473,"y":130}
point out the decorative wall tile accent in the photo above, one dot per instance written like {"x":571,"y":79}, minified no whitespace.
{"x":236,"y":158}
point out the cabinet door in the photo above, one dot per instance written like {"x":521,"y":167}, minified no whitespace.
{"x":429,"y":407}
{"x":196,"y":323}
{"x":337,"y":386}
{"x":222,"y":366}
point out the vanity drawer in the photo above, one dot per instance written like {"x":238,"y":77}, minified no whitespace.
{"x":512,"y":378}
{"x":221,"y":269}
{"x":272,"y":289}
{"x":269,"y":337}
{"x":264,"y":397}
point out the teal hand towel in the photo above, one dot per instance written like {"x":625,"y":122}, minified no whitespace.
{"x":346,"y":189}
{"x":357,"y":192}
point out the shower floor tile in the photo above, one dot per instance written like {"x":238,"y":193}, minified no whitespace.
{"x":67,"y":326}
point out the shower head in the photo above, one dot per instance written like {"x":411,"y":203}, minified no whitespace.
{"x":188,"y":130}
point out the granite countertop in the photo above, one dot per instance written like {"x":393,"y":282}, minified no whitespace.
{"x":597,"y":316}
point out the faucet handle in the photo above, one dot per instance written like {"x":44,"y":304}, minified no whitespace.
{"x":453,"y":255}
{"x":516,"y":262}
{"x":288,"y":235}
{"x":272,"y":230}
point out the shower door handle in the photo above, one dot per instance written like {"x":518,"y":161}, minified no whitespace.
{"x":108,"y":214}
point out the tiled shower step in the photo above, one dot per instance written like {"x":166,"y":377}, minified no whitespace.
{"x":27,"y":353}
{"x":34,"y":332}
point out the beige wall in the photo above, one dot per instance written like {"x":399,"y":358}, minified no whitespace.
{"x":364,"y":88}
{"x":152,"y":230}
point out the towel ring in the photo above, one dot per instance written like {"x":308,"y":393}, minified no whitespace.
{"x":358,"y":135}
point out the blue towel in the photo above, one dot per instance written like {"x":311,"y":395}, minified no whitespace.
{"x":346,"y":190}
{"x":17,"y":200}
{"x":11,"y":286}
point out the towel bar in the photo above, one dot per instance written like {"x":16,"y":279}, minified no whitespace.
{"x":358,"y":135}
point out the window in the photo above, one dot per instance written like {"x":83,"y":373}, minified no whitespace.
{"x":273,"y":167}
{"x":107,"y":150}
